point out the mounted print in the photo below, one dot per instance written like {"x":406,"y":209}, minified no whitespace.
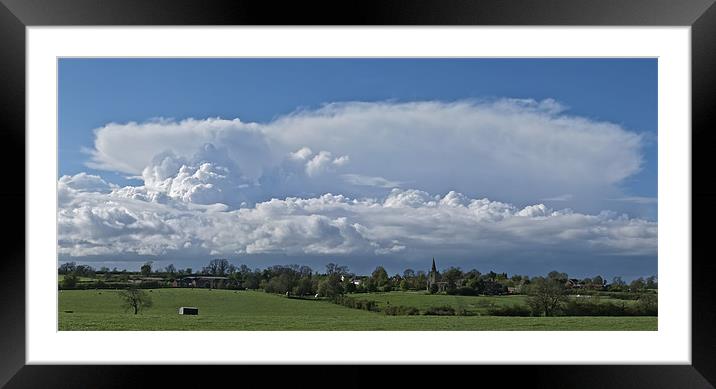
{"x":357,"y":194}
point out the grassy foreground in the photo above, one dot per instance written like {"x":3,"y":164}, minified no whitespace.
{"x":474,"y":304}
{"x":249,"y":310}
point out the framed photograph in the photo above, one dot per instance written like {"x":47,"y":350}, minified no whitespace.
{"x":475,"y":184}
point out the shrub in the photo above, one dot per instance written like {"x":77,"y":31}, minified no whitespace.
{"x":485,"y":304}
{"x":464,"y":312}
{"x":494,"y":288}
{"x":595,"y":308}
{"x":397,"y":310}
{"x":514,"y":310}
{"x":368,"y":305}
{"x":444,"y":310}
{"x":647,"y":305}
{"x":433,"y":289}
{"x":463,"y":291}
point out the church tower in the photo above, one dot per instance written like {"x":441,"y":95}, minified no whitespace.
{"x":432,"y":277}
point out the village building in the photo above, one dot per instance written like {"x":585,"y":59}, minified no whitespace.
{"x":573,"y":283}
{"x":355,"y":280}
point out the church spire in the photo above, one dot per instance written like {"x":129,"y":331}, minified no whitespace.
{"x":433,"y":270}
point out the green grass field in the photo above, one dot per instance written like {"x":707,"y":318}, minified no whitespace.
{"x":473,"y":304}
{"x":249,"y":310}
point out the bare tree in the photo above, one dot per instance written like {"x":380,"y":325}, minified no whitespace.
{"x":135,"y":299}
{"x":170,"y":269}
{"x":333,"y":268}
{"x":217,"y":267}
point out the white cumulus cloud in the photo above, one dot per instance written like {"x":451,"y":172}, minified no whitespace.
{"x":517,"y":150}
{"x":405,"y":222}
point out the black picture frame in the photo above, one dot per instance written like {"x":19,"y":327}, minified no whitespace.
{"x":15,"y":15}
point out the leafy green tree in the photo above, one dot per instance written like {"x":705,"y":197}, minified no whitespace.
{"x":557,"y":276}
{"x":370,"y":285}
{"x":251,"y":279}
{"x":473,"y":274}
{"x":617,"y":285}
{"x":69,"y":281}
{"x":135,"y":299}
{"x":404,"y":285}
{"x":380,"y":277}
{"x":651,"y":283}
{"x":546,"y":296}
{"x":638,"y":285}
{"x":331,"y":286}
{"x":477,"y":284}
{"x":350,"y":287}
{"x":493,"y":288}
{"x":451,"y":275}
{"x":420,"y":280}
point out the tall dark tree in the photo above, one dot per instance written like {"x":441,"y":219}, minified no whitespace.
{"x":146,"y":269}
{"x":67,"y":268}
{"x":380,"y":276}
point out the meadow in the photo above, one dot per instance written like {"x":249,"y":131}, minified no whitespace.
{"x":87,"y":310}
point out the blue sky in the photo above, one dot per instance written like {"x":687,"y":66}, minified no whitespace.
{"x":620,"y":92}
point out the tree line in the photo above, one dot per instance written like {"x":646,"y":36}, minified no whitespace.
{"x":301,"y":280}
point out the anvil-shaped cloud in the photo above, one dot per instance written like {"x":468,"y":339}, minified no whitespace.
{"x":361,"y":179}
{"x":514,"y":150}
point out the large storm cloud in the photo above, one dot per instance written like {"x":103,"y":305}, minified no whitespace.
{"x":359,"y":180}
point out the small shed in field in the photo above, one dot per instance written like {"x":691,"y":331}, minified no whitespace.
{"x":188,"y":310}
